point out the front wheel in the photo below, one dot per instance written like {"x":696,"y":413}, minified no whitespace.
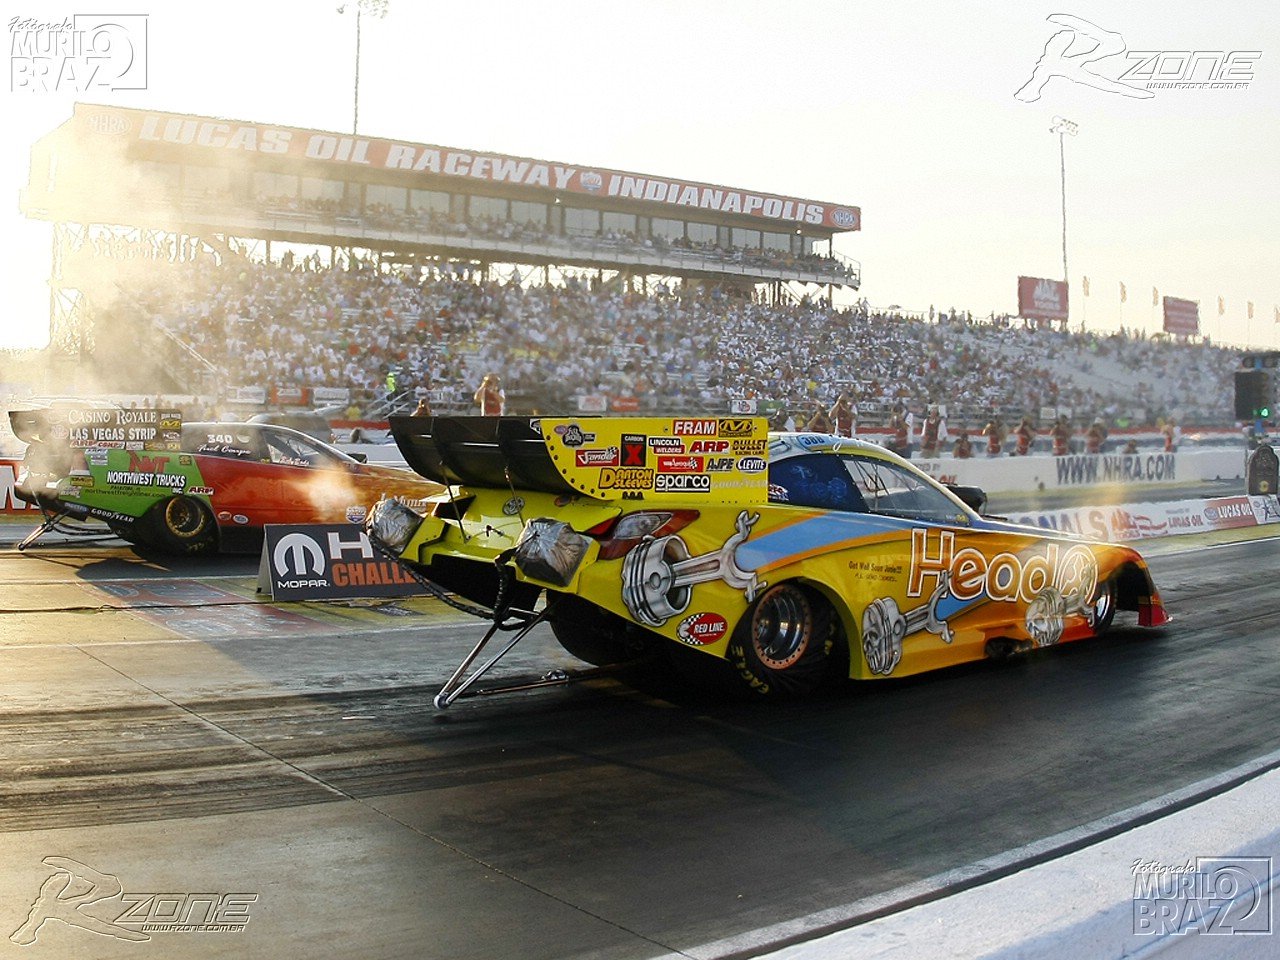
{"x":1103,"y":609}
{"x":788,"y":644}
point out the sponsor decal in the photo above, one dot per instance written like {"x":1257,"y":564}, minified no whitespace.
{"x":682,"y":483}
{"x":680,"y":464}
{"x":513,"y":506}
{"x":239,"y":518}
{"x":112,"y":515}
{"x":626,"y":478}
{"x":752,"y":464}
{"x":135,"y":429}
{"x":169,"y":481}
{"x":667,"y":444}
{"x":693,"y":428}
{"x":970,"y":574}
{"x":700,"y":629}
{"x":80,"y":481}
{"x":736,"y":428}
{"x":634,"y":450}
{"x":200,"y":491}
{"x":750,"y":448}
{"x":605,"y":457}
{"x":572,"y":435}
{"x":356,"y":514}
{"x":709,"y":446}
{"x":719,"y":465}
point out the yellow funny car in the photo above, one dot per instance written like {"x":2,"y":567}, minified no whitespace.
{"x":796,"y":558}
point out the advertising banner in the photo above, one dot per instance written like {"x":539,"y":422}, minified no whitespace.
{"x":1181,"y":317}
{"x":10,"y":505}
{"x":328,"y":561}
{"x":1042,"y":299}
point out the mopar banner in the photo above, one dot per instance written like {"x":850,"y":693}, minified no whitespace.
{"x":327,"y":561}
{"x":643,"y":458}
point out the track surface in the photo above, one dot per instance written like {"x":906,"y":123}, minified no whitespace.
{"x":161,"y":724}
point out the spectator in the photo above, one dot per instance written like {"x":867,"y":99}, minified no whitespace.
{"x":964,"y":446}
{"x":423,"y":409}
{"x":844,"y":413}
{"x":490,"y":396}
{"x":819,"y":422}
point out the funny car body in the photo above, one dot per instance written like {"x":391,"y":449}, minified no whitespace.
{"x":192,"y":488}
{"x":792,"y":557}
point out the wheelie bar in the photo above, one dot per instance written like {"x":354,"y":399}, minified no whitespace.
{"x":457,"y":684}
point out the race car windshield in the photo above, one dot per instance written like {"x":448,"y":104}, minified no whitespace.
{"x":891,"y":490}
{"x":292,"y":451}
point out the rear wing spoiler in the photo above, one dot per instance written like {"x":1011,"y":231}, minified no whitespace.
{"x":31,"y":426}
{"x":710,"y":459}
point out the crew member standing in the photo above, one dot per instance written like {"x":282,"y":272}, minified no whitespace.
{"x":1095,"y":436}
{"x":1171,"y":435}
{"x":1026,"y":437}
{"x":901,"y":434}
{"x":1061,"y":437}
{"x":933,"y":433}
{"x":994,"y":432}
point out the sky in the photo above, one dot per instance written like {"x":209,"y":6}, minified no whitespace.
{"x":929,"y":116}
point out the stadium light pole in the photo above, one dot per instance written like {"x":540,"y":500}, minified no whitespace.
{"x":1062,"y":127}
{"x":373,"y":8}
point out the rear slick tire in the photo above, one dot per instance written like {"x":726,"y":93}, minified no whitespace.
{"x":183,"y":525}
{"x":788,"y":643}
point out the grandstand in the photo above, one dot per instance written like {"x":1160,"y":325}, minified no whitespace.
{"x":265,"y":266}
{"x":202,"y":183}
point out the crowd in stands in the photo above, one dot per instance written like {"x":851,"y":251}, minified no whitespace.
{"x":425,"y":222}
{"x":300,"y":322}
